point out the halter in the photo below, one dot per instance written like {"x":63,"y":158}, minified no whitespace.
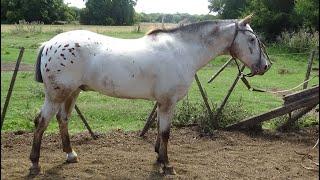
{"x":261,"y":49}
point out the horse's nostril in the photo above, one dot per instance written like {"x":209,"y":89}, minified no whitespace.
{"x":265,"y":67}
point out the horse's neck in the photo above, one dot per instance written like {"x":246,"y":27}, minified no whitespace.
{"x":202,"y":53}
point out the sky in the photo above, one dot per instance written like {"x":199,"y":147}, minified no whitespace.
{"x":162,"y":6}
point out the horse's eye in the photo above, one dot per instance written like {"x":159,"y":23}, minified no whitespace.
{"x":252,"y":39}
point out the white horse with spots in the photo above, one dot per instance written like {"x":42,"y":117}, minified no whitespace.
{"x":158,"y":67}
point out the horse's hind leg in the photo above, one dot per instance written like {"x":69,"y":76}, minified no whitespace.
{"x":63,"y":117}
{"x":41,"y":123}
{"x":165,"y":114}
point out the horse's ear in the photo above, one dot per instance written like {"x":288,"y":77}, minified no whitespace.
{"x":246,"y":20}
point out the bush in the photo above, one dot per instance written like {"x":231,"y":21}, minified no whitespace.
{"x":300,"y":41}
{"x":26,"y":27}
{"x":196,"y":113}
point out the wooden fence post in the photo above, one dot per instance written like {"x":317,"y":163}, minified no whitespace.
{"x":13,"y":79}
{"x":94,"y":136}
{"x":219,"y":109}
{"x":305,"y":85}
{"x":150,"y":120}
{"x":205,"y":99}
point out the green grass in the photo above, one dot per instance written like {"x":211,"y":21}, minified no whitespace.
{"x":105,"y":113}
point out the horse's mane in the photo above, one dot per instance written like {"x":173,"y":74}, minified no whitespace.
{"x":192,"y":27}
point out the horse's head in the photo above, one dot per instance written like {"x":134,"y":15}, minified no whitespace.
{"x":247,"y":47}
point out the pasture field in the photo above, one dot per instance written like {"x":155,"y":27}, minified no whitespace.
{"x":105,"y":113}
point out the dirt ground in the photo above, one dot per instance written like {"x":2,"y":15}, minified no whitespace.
{"x":125,"y":155}
{"x":11,"y":65}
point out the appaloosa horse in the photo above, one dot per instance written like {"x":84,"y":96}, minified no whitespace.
{"x":159,"y":67}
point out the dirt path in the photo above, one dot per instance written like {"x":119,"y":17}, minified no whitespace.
{"x":11,"y":65}
{"x":120,"y":155}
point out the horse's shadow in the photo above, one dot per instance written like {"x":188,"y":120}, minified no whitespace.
{"x":52,"y":173}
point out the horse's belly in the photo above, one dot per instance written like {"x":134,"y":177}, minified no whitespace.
{"x":128,"y":90}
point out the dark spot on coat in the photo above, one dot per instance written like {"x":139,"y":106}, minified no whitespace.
{"x":45,"y":65}
{"x":57,"y":88}
{"x":71,"y":62}
{"x":47,"y":70}
{"x":66,"y":45}
{"x":250,"y":49}
{"x":94,"y":54}
{"x":63,"y":49}
{"x":77,"y":44}
{"x":70,"y":50}
{"x":62,"y":64}
{"x":59,"y":46}
{"x":62,"y":55}
{"x":58,"y":70}
{"x":50,"y":47}
{"x":49,"y":59}
{"x":73,"y":54}
{"x":132,"y":75}
{"x":55,"y":51}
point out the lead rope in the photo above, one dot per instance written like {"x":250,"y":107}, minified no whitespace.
{"x":246,"y":82}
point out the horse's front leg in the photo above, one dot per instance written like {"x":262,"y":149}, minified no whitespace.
{"x":165,"y":114}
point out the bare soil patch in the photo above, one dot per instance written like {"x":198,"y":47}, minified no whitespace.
{"x":124,"y":155}
{"x":11,"y":65}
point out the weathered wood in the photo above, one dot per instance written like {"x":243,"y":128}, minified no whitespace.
{"x":286,"y":126}
{"x":220,"y":70}
{"x":13,"y":79}
{"x":93,"y":135}
{"x":309,"y":69}
{"x":150,"y":120}
{"x":205,"y":99}
{"x":308,"y":101}
{"x":301,"y":94}
{"x":219,"y":109}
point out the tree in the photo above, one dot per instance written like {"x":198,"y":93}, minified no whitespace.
{"x":108,"y":12}
{"x":46,"y":11}
{"x":227,"y":9}
{"x":308,"y":10}
{"x":271,"y":16}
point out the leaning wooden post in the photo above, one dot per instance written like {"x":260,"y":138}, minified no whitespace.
{"x":309,"y":69}
{"x":13,"y":79}
{"x":219,"y":109}
{"x":94,"y":136}
{"x":150,"y":120}
{"x":205,"y":99}
{"x":220,"y":70}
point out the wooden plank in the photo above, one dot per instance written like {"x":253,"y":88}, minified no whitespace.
{"x":93,"y":135}
{"x":301,"y":94}
{"x":219,"y":109}
{"x":308,"y":101}
{"x":205,"y":99}
{"x":286,"y":126}
{"x":220,"y":70}
{"x":13,"y":79}
{"x":150,"y":120}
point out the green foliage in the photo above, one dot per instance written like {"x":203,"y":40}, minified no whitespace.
{"x":271,"y":16}
{"x":108,"y":12}
{"x":171,"y":18}
{"x":308,"y":10}
{"x":227,"y":9}
{"x":46,"y":11}
{"x":300,"y":41}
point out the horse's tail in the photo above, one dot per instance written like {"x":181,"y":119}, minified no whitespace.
{"x":38,"y":76}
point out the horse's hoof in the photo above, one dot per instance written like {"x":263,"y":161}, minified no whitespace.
{"x":72,"y":157}
{"x":34,"y":170}
{"x":168,"y":170}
